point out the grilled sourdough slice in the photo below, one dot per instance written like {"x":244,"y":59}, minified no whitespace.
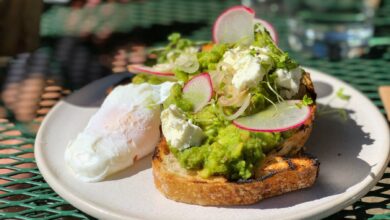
{"x":278,"y":175}
{"x":284,"y":170}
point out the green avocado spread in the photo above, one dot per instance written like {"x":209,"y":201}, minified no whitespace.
{"x":226,"y":149}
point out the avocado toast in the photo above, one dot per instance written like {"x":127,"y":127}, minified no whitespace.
{"x":235,"y":123}
{"x":285,"y":168}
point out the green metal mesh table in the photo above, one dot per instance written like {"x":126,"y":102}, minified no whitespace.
{"x":23,"y":192}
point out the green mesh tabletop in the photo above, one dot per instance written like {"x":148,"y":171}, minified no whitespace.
{"x":23,"y":192}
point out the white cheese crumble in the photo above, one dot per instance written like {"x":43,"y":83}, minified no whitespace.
{"x":178,"y":131}
{"x":289,"y":81}
{"x":247,"y":70}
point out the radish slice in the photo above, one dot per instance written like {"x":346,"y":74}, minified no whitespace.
{"x":137,"y":68}
{"x":233,"y":25}
{"x":198,"y":91}
{"x":269,"y":28}
{"x":286,"y":115}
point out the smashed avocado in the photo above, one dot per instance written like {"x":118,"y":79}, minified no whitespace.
{"x":228,"y":150}
{"x":234,"y":153}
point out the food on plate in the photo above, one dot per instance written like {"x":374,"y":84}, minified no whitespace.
{"x":235,"y":114}
{"x":235,"y":124}
{"x":124,"y":129}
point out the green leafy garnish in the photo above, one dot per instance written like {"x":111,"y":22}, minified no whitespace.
{"x":281,"y":59}
{"x":340,"y":94}
{"x":306,"y":101}
{"x":176,"y":45}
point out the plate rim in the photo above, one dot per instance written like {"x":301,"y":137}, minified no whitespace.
{"x":321,"y":211}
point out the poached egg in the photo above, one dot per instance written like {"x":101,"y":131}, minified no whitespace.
{"x":124,"y":129}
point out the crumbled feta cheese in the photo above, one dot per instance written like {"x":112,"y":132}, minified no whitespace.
{"x":229,"y":58}
{"x":180,"y":132}
{"x":289,"y":80}
{"x":262,"y":53}
{"x":247,"y":70}
{"x":266,"y":61}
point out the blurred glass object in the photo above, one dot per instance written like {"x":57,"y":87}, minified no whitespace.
{"x":266,"y":9}
{"x":19,"y":26}
{"x":332,"y":28}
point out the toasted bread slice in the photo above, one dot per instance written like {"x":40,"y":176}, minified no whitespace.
{"x":278,"y":175}
{"x":284,"y":170}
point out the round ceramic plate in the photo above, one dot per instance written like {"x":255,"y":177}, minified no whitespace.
{"x":350,"y":139}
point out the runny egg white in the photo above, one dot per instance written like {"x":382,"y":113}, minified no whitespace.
{"x":125,"y":128}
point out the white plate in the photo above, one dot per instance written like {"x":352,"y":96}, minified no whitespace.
{"x":353,"y":155}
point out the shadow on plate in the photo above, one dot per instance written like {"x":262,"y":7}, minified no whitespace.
{"x":93,"y":94}
{"x":139,"y":166}
{"x":322,"y":89}
{"x":337,"y":143}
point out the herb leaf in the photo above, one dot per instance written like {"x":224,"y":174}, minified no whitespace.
{"x":340,"y":94}
{"x":307,"y":100}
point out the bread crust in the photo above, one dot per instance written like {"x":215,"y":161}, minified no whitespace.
{"x":284,"y":170}
{"x":278,"y":176}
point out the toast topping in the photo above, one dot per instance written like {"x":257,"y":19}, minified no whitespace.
{"x":250,"y":76}
{"x":180,"y":132}
{"x":289,"y":81}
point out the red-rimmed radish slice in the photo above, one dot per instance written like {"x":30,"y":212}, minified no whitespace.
{"x":282,"y":117}
{"x":233,"y":25}
{"x":268,"y":26}
{"x":137,"y":68}
{"x":198,"y":91}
